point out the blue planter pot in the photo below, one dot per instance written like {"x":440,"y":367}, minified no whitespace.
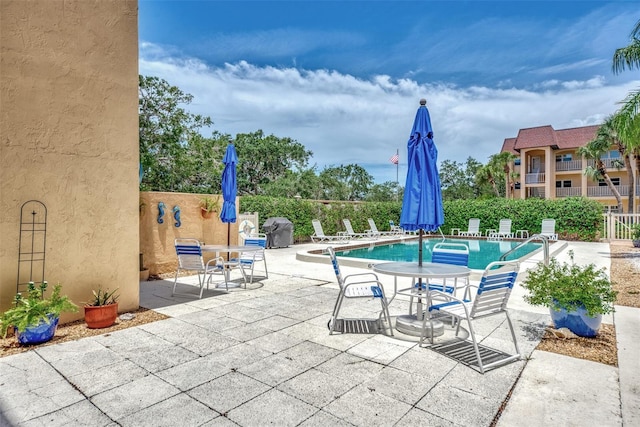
{"x":42,"y":332}
{"x":577,"y":321}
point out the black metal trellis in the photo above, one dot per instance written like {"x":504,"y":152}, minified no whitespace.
{"x":32,"y":243}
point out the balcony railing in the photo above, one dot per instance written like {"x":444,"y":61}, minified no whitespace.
{"x":568,"y":192}
{"x":608,"y":163}
{"x":536,"y":192}
{"x":534,"y":178}
{"x":604,"y":191}
{"x":572,"y":165}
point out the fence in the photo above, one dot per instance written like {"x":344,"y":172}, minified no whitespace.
{"x":619,"y":226}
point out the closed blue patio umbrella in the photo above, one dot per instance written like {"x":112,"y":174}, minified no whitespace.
{"x":422,"y":203}
{"x":229,"y":189}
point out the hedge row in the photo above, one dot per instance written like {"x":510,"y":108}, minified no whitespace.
{"x":577,"y":218}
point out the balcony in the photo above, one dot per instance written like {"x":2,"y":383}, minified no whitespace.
{"x":604,"y":191}
{"x":572,"y":165}
{"x":535,"y":192}
{"x":616,"y":164}
{"x":568,"y":192}
{"x":534,"y":178}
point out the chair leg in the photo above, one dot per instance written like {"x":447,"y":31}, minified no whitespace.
{"x":387,"y":315}
{"x":175,"y":282}
{"x":336,"y":310}
{"x":475,"y":345}
{"x":513,"y":334}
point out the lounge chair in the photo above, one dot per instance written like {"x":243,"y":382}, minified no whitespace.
{"x":352,"y":234}
{"x":374,"y":230}
{"x":549,"y":229}
{"x":473,"y":229}
{"x":504,"y":231}
{"x":491,"y":299}
{"x":319,"y":237}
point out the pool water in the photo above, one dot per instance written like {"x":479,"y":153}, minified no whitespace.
{"x":481,"y":252}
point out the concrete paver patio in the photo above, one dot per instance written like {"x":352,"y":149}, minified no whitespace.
{"x":263,"y":356}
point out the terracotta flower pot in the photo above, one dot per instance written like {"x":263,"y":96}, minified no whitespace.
{"x":100,"y":316}
{"x":206,"y":214}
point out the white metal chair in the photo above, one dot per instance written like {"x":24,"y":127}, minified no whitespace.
{"x":190,"y":259}
{"x":249,"y":259}
{"x":361,"y":285}
{"x":473,"y":229}
{"x":549,"y":229}
{"x":491,"y":299}
{"x":319,"y":237}
{"x":352,"y":234}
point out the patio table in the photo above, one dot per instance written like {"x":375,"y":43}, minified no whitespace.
{"x":412,"y":324}
{"x":228,"y":264}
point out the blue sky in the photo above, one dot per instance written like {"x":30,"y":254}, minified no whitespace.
{"x":344,"y":78}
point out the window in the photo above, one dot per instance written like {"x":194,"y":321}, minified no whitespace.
{"x":563,"y":184}
{"x":602,"y":183}
{"x":567,"y":157}
{"x":611,"y":154}
{"x":517,"y":161}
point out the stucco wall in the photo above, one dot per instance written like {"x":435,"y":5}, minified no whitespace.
{"x":69,"y":126}
{"x":157,"y":240}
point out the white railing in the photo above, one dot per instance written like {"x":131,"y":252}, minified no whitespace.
{"x":536,"y":192}
{"x":604,"y":191}
{"x":568,"y":192}
{"x":618,"y":226}
{"x":571,"y":165}
{"x":534,"y":178}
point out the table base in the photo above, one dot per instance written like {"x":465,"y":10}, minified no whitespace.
{"x":228,"y":285}
{"x":411,"y":325}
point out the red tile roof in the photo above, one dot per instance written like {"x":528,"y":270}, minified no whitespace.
{"x":547,"y":136}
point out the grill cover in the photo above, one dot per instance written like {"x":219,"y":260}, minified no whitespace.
{"x":279,"y":232}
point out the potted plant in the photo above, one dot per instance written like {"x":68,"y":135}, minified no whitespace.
{"x":34,"y":318}
{"x":635,"y":235}
{"x":577,"y":296}
{"x":102,"y":310}
{"x":144,"y":271}
{"x":209,"y":206}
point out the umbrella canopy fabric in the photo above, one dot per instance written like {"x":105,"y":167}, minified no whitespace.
{"x":229,"y":190}
{"x":422,"y":204}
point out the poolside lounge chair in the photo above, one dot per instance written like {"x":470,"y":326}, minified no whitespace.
{"x":504,"y":231}
{"x":398,"y":229}
{"x":190,"y":259}
{"x":473,"y":229}
{"x":549,"y":229}
{"x":353,"y":234}
{"x":360,"y":286}
{"x":374,"y":230}
{"x":319,"y":237}
{"x":491,"y":299}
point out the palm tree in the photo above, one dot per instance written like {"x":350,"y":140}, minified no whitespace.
{"x":627,"y":121}
{"x":503,"y":161}
{"x":608,"y":132}
{"x":594,"y":150}
{"x":488,"y":173}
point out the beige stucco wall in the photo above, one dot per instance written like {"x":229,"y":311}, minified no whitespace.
{"x":69,"y":126}
{"x":157,"y":240}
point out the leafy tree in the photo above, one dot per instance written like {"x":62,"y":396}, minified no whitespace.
{"x":458,"y":179}
{"x":594,"y":150}
{"x":389,"y":191}
{"x":491,"y":173}
{"x":350,"y":182}
{"x":172,"y":150}
{"x":265,"y":159}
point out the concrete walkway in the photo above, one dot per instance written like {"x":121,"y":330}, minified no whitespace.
{"x":263,"y":356}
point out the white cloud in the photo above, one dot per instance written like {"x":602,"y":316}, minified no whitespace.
{"x":344,"y":119}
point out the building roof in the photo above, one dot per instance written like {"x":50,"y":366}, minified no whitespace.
{"x":509,"y":145}
{"x":547,"y":136}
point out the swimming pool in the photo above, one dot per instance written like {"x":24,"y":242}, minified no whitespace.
{"x":481,"y":252}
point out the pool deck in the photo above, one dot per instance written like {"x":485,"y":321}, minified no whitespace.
{"x":263,"y":356}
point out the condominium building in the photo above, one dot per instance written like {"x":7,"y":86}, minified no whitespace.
{"x":547,"y":166}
